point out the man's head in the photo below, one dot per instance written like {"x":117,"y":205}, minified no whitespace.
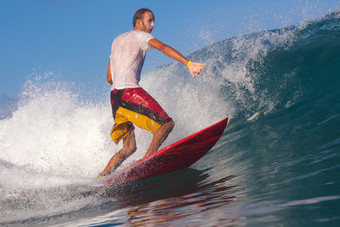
{"x":144,"y":20}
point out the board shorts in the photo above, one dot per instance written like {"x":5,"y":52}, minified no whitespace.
{"x":134,"y":106}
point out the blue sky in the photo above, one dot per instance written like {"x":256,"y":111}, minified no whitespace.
{"x":72,"y":38}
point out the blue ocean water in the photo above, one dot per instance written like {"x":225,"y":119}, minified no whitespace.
{"x":278,"y":162}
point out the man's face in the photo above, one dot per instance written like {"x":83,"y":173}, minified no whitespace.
{"x":148,"y":22}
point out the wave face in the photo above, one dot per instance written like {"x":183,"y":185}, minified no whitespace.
{"x":278,"y":161}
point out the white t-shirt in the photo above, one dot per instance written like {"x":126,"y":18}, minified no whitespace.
{"x":127,"y":57}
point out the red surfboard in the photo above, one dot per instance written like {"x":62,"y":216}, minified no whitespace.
{"x":176,"y":156}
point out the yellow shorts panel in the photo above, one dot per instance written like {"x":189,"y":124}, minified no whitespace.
{"x":123,"y":116}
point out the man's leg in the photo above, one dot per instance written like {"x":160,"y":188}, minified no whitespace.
{"x":129,"y":147}
{"x":160,"y":136}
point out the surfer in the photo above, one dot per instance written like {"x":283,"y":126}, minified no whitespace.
{"x":131,"y":104}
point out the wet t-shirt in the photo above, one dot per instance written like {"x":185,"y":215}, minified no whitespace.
{"x":127,"y":57}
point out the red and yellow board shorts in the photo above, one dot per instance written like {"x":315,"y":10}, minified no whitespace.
{"x":135,"y":106}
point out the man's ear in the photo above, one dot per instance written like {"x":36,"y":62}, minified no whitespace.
{"x":138,"y":23}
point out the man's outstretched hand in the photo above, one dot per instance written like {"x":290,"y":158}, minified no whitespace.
{"x":195,"y":67}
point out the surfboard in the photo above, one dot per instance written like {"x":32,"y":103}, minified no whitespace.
{"x":176,"y":156}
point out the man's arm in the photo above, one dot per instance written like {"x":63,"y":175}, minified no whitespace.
{"x":193,"y":67}
{"x":109,"y":76}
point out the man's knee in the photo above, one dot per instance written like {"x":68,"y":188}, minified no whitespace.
{"x":130,"y":143}
{"x":170,"y":125}
{"x":128,"y":149}
{"x":132,"y":147}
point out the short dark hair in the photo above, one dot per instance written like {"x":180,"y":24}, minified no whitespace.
{"x":139,"y":15}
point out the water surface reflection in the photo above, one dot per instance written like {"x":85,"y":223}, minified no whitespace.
{"x":172,"y":198}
